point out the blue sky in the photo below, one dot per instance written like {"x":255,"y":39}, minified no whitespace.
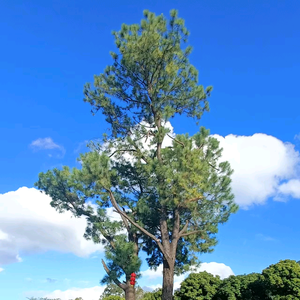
{"x":248,"y":50}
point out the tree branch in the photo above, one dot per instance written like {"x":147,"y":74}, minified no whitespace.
{"x":184,"y":228}
{"x":182,"y":144}
{"x":189,"y":201}
{"x":116,"y":281}
{"x":190,"y":233}
{"x":122,"y":150}
{"x":143,"y":230}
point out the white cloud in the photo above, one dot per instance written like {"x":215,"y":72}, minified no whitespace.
{"x":292,"y":187}
{"x":153,"y":274}
{"x":28,"y":224}
{"x":260,"y":163}
{"x":92,"y":293}
{"x":46,"y":144}
{"x":213,"y":267}
{"x":1,"y":269}
{"x":152,"y":287}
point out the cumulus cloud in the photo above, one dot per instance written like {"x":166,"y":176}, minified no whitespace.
{"x":261,"y":163}
{"x":28,"y":224}
{"x":92,"y":293}
{"x":46,"y":144}
{"x":216,"y":269}
{"x":213,"y":268}
{"x":292,"y":187}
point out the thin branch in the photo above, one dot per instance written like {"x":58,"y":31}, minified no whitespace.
{"x":191,"y":233}
{"x":213,"y":166}
{"x":182,"y":144}
{"x":143,"y":230}
{"x":190,"y":200}
{"x":122,"y":150}
{"x":116,"y":281}
{"x":184,"y":228}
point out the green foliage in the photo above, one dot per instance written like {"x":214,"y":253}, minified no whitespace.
{"x":280,"y":281}
{"x":283,"y":280}
{"x":155,"y":295}
{"x":70,"y":189}
{"x":200,"y":286}
{"x":112,"y":290}
{"x":151,"y":74}
{"x":242,"y":287}
{"x":113,"y":297}
{"x":139,"y":293}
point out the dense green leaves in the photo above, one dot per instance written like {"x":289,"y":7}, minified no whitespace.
{"x":151,"y":76}
{"x":283,"y":280}
{"x":113,"y":297}
{"x":155,"y":295}
{"x":279,"y":281}
{"x":198,"y":286}
{"x":242,"y":287}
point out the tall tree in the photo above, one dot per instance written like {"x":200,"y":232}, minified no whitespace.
{"x":172,"y":196}
{"x":181,"y":192}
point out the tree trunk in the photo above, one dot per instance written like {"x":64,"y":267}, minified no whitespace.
{"x":129,"y":292}
{"x":168,"y":280}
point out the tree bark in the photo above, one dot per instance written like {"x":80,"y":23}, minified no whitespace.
{"x":168,"y":280}
{"x":129,"y":292}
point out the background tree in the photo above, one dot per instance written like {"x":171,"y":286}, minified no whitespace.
{"x":155,"y":295}
{"x":112,"y":290}
{"x":113,"y":297}
{"x":139,"y":293}
{"x":171,"y":199}
{"x":200,"y":286}
{"x":283,"y":280}
{"x":242,"y":287}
